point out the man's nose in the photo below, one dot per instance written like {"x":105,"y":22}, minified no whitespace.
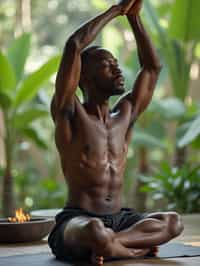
{"x":116,"y":70}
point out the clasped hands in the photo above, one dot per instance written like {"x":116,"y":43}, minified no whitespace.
{"x":130,"y":7}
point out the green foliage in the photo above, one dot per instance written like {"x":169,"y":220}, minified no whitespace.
{"x":34,"y":81}
{"x":185,"y":21}
{"x":170,"y":108}
{"x":7,"y":77}
{"x":18,"y":53}
{"x":29,"y":114}
{"x":179,"y":187}
{"x":35,"y":192}
{"x":177,"y":54}
{"x":17,"y":102}
{"x":178,"y":50}
{"x":145,"y":139}
{"x":32,"y":134}
{"x":192,"y":132}
{"x":52,"y":193}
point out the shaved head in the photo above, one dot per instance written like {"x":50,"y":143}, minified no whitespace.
{"x":87,"y":60}
{"x":100,"y":71}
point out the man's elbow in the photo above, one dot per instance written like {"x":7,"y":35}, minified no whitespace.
{"x":153,"y":69}
{"x":157,"y":68}
{"x":73,"y":44}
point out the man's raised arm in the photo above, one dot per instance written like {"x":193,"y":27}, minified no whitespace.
{"x":69,"y":71}
{"x":145,"y":83}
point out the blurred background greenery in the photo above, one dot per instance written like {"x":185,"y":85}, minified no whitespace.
{"x":163,"y":168}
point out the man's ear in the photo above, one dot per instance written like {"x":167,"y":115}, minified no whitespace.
{"x":85,"y":80}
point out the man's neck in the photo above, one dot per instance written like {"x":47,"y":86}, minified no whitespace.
{"x":99,"y":108}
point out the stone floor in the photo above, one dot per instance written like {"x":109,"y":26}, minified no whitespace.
{"x":190,"y":236}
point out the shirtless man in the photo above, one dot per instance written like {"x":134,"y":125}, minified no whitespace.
{"x":92,"y":141}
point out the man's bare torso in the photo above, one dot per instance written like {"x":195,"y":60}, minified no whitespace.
{"x":93,"y":160}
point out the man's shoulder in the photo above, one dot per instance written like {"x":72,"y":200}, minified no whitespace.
{"x":123,"y":104}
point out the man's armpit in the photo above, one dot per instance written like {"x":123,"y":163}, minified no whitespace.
{"x":67,"y":112}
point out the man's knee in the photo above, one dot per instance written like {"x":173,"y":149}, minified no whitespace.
{"x":174,"y":224}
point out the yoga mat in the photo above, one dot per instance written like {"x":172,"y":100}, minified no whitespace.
{"x":170,"y":250}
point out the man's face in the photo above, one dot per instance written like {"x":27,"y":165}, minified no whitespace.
{"x":107,"y":74}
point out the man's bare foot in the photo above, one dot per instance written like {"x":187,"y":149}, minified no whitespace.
{"x":97,"y":260}
{"x":117,"y":250}
{"x":96,"y":236}
{"x":153,"y":251}
{"x":103,"y":244}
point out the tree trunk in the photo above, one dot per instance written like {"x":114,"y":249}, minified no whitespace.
{"x":141,"y":197}
{"x":23,"y":17}
{"x":8,"y":202}
{"x":180,"y":157}
{"x":8,"y":205}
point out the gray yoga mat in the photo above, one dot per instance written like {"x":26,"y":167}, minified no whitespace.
{"x":170,"y":250}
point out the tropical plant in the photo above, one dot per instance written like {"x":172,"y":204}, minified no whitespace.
{"x":177,"y":43}
{"x":150,"y":134}
{"x":179,"y":187}
{"x":19,"y":106}
{"x":39,"y":193}
{"x":191,"y":132}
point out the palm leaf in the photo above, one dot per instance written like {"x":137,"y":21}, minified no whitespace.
{"x":18,"y":53}
{"x":185,"y":23}
{"x":34,"y":81}
{"x":7,"y":75}
{"x":23,"y":119}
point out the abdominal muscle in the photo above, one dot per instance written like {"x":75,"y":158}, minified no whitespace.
{"x":96,"y":189}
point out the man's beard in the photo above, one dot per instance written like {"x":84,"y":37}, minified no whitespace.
{"x":117,"y":87}
{"x":118,"y":91}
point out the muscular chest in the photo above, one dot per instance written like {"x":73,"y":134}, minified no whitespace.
{"x":101,"y":143}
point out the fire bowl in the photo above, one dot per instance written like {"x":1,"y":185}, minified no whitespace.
{"x":33,"y":230}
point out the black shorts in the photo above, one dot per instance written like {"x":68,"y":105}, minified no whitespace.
{"x":117,"y":222}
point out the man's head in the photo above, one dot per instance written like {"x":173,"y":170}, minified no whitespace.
{"x":100,"y":71}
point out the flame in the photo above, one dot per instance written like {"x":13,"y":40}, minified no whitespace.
{"x":20,"y":217}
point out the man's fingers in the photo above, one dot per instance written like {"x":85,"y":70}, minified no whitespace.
{"x":126,"y":5}
{"x":135,"y":8}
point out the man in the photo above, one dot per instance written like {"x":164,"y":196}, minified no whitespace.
{"x":93,"y":141}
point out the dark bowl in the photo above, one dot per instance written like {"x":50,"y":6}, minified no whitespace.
{"x":33,"y":230}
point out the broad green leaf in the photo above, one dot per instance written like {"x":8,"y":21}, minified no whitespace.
{"x":33,"y":135}
{"x":185,"y":23}
{"x":181,"y":85}
{"x":143,"y":139}
{"x":182,"y":129}
{"x":192,"y":133}
{"x":196,"y":143}
{"x":164,"y":9}
{"x":7,"y":75}
{"x":18,"y":53}
{"x":22,"y":119}
{"x":170,"y":108}
{"x":156,"y":127}
{"x":5,"y":100}
{"x":165,"y":43}
{"x":34,"y":81}
{"x":152,"y":19}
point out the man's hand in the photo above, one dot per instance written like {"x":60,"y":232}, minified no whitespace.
{"x":126,"y":5}
{"x":135,"y":8}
